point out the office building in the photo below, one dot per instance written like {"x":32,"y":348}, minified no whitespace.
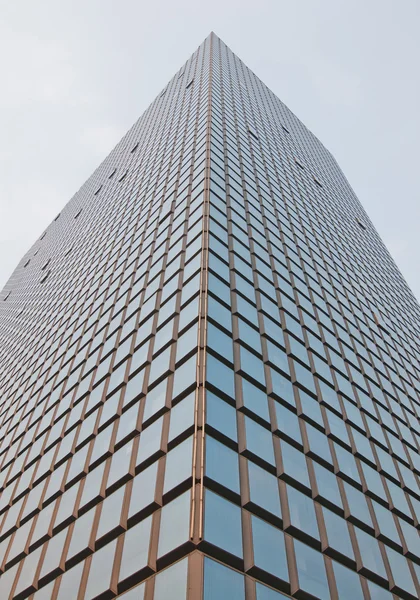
{"x":210,"y":370}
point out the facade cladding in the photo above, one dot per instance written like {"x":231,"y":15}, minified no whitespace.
{"x":210,"y":370}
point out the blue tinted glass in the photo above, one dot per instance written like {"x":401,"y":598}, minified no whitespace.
{"x":294,"y":464}
{"x":400,"y":571}
{"x":266,"y":593}
{"x":277,"y":357}
{"x":259,"y":441}
{"x":348,"y":583}
{"x":378,"y":593}
{"x":222,"y":582}
{"x":221,"y":416}
{"x":219,"y":313}
{"x":247,"y":310}
{"x":311,"y":571}
{"x":302,"y":512}
{"x":255,"y":400}
{"x":318,"y":443}
{"x":357,"y":504}
{"x":282,"y":387}
{"x":338,"y":533}
{"x":249,"y":335}
{"x":222,"y":524}
{"x":252,"y":366}
{"x":346,"y":463}
{"x":264,"y":489}
{"x":269,"y":549}
{"x":222,"y":464}
{"x":220,"y":342}
{"x":220,"y":376}
{"x":304,"y":377}
{"x":371,"y":555}
{"x":219,"y":289}
{"x":288,"y":422}
{"x":311,"y":408}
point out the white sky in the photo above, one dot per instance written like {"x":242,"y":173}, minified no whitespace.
{"x":76,"y":74}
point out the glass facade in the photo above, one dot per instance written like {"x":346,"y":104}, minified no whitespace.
{"x":210,"y":370}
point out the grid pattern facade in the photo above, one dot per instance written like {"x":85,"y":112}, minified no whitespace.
{"x":210,"y":370}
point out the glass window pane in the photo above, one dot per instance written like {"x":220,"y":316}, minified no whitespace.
{"x":172,"y":582}
{"x":370,"y":553}
{"x":311,"y":571}
{"x":266,"y":593}
{"x":294,"y":464}
{"x":264,"y":489}
{"x":259,"y":441}
{"x":222,"y":582}
{"x":222,"y":524}
{"x":178,"y":465}
{"x":302,"y":513}
{"x":221,"y":416}
{"x":269,"y":549}
{"x":222,"y":464}
{"x":136,"y":549}
{"x":174,"y":524}
{"x":348,"y":583}
{"x":100,"y":572}
{"x":338,"y":534}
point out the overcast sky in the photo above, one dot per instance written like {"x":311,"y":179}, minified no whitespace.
{"x":76,"y":74}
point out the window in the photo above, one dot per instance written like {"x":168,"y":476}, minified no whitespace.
{"x":254,"y":400}
{"x":221,"y":416}
{"x":263,"y":490}
{"x":311,"y":571}
{"x":222,"y":465}
{"x":348,"y":583}
{"x":370,"y":553}
{"x":100,"y":572}
{"x":259,"y":441}
{"x":222,"y":524}
{"x":135,"y":550}
{"x":294,"y":465}
{"x":337,"y":534}
{"x":222,"y":582}
{"x":172,"y":582}
{"x":266,"y":593}
{"x":174,"y":524}
{"x":302,"y":514}
{"x":269,"y":549}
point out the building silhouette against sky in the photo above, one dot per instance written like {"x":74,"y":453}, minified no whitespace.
{"x":210,"y":370}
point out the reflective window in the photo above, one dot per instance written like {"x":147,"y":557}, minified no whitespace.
{"x":302,"y":513}
{"x":266,"y":593}
{"x":174,"y":524}
{"x":135,"y":549}
{"x":222,"y":524}
{"x":221,"y":416}
{"x":100,"y":572}
{"x":348,"y":583}
{"x":220,"y":581}
{"x":311,"y":571}
{"x":338,"y":534}
{"x":172,"y":582}
{"x":294,"y":464}
{"x":370,"y":553}
{"x":269,"y":549}
{"x":222,"y":464}
{"x":264,"y":489}
{"x":259,"y":441}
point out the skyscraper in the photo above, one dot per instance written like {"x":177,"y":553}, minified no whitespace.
{"x":210,"y":370}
